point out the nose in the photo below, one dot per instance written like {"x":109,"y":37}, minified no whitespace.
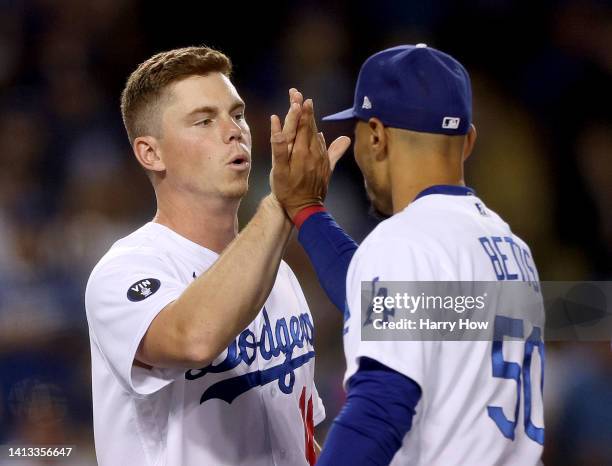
{"x":231,"y":131}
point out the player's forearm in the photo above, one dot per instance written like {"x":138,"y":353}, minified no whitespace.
{"x":226,"y":298}
{"x":330,"y":251}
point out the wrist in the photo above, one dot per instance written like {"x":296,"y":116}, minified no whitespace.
{"x":298,"y":218}
{"x":274,"y":208}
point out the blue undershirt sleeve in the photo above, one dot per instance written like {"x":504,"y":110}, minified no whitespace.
{"x":377,"y":415}
{"x":330,"y":251}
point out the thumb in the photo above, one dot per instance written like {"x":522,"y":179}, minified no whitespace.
{"x":337,"y":149}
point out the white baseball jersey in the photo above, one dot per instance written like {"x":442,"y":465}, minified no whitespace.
{"x":469,"y":412}
{"x":254,"y":405}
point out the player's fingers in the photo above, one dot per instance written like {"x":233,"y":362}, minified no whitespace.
{"x":337,"y":149}
{"x":313,"y":122}
{"x":291,"y":121}
{"x":318,"y":147}
{"x":295,"y":96}
{"x":322,"y":143}
{"x":278,"y":143}
{"x":315,"y":148}
{"x":304,"y":131}
{"x":274,"y":125}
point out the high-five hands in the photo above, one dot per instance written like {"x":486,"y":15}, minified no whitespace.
{"x":302,"y":164}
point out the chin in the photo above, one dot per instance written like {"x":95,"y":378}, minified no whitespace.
{"x":236,"y":190}
{"x":378,"y":214}
{"x":379,"y":210}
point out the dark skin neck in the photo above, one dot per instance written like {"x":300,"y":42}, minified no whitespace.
{"x":420,"y":161}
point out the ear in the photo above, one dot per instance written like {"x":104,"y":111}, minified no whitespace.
{"x":470,"y":140}
{"x":147,"y":152}
{"x":377,"y":138}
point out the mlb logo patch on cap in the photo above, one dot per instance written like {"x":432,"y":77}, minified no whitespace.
{"x":451,"y":122}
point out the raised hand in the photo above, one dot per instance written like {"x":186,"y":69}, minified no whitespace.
{"x":300,"y":174}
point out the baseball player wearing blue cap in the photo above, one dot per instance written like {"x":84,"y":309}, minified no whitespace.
{"x":422,"y":402}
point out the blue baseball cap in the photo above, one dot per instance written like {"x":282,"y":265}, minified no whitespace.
{"x":413,"y":87}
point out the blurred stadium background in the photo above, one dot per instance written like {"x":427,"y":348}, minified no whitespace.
{"x":69,"y":185}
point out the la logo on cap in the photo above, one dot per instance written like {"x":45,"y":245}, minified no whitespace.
{"x":451,"y":122}
{"x":366,"y":103}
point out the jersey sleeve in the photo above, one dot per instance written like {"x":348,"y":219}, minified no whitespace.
{"x":330,"y":251}
{"x":318,"y":407}
{"x":387,"y":261}
{"x":123,"y":296}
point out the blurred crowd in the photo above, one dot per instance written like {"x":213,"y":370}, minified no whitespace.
{"x":69,"y":187}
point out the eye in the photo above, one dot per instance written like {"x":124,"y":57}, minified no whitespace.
{"x":205,"y":122}
{"x":239,"y":116}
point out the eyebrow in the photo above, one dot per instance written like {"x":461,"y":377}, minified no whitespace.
{"x":212,"y":109}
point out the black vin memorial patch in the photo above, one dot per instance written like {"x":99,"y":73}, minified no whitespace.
{"x":143,"y":289}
